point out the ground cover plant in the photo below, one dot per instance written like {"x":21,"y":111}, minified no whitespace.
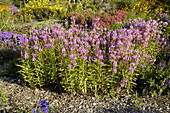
{"x":3,"y":100}
{"x":106,"y":52}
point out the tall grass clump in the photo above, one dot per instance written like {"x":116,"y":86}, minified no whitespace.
{"x":96,"y":61}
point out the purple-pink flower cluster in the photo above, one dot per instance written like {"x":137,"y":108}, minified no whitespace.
{"x":129,"y":46}
{"x":11,"y":40}
{"x":14,"y":9}
{"x":121,"y":84}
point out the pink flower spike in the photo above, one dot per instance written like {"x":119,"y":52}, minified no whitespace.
{"x":33,"y":59}
{"x":118,"y":89}
{"x":122,"y":85}
{"x":125,"y":80}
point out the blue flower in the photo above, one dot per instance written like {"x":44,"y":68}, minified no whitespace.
{"x":44,"y":106}
{"x":34,"y":111}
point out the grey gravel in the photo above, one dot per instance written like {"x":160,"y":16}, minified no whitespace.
{"x":22,"y":98}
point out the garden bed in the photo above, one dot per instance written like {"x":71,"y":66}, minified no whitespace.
{"x":93,"y":57}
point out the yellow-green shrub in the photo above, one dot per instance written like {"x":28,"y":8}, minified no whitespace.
{"x":150,"y":6}
{"x":125,"y":5}
{"x":43,"y":9}
{"x":4,"y":8}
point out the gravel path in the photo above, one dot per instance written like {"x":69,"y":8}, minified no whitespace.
{"x":21,"y":98}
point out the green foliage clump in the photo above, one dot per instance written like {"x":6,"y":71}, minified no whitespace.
{"x":48,"y":23}
{"x":125,"y":5}
{"x":154,"y":80}
{"x":6,"y":2}
{"x":3,"y":99}
{"x":39,"y":14}
{"x":20,"y":3}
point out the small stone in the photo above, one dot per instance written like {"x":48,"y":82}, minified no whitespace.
{"x":93,"y":98}
{"x":94,"y":104}
{"x":28,"y":98}
{"x":80,"y":107}
{"x":71,"y":106}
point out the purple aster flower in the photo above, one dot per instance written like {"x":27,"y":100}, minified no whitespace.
{"x":100,"y":57}
{"x":131,"y":69}
{"x":69,"y":66}
{"x":154,"y":60}
{"x":36,"y":47}
{"x":153,"y":84}
{"x":134,"y":57}
{"x":84,"y":57}
{"x":95,"y":59}
{"x":39,"y":49}
{"x":122,"y":85}
{"x":143,"y":65}
{"x":114,"y":70}
{"x":63,"y":49}
{"x":14,"y":9}
{"x":132,"y":64}
{"x":51,"y":39}
{"x":34,"y":54}
{"x":114,"y":64}
{"x":162,"y":15}
{"x":163,"y":64}
{"x":75,"y":64}
{"x":33,"y":59}
{"x":34,"y":38}
{"x":26,"y":55}
{"x":49,"y":46}
{"x":19,"y":81}
{"x":168,"y":81}
{"x":72,"y":56}
{"x":64,"y":55}
{"x":125,"y":80}
{"x":101,"y":63}
{"x":118,"y":89}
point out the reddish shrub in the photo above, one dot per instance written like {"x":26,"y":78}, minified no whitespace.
{"x":107,"y":17}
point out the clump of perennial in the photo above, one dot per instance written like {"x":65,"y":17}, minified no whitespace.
{"x":128,"y":49}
